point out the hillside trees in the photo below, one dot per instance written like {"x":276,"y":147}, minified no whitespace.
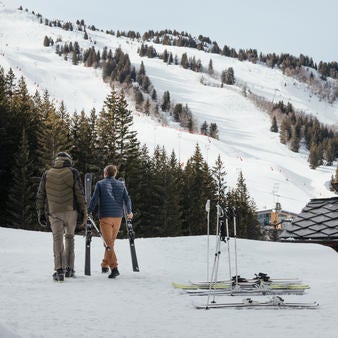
{"x":296,"y":130}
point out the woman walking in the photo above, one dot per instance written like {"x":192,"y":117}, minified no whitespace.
{"x":111,"y":196}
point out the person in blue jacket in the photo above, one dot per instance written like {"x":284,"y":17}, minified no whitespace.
{"x":111,"y":196}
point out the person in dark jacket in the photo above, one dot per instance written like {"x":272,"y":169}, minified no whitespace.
{"x":111,"y":196}
{"x":61,"y":199}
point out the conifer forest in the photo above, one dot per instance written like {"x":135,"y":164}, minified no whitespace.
{"x":168,"y":197}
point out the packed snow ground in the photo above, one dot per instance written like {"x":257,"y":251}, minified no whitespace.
{"x":272,"y":172}
{"x":144,"y":304}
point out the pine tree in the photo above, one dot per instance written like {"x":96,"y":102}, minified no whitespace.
{"x":329,"y":151}
{"x":141,"y":191}
{"x":117,"y":143}
{"x":315,"y":156}
{"x":210,"y":68}
{"x":83,"y":141}
{"x":219,"y":173}
{"x":8,"y":143}
{"x":173,"y":202}
{"x":245,"y":210}
{"x":166,"y":194}
{"x":274,"y":126}
{"x":53,"y":135}
{"x":213,"y":131}
{"x":295,"y":140}
{"x":204,"y":128}
{"x":158,"y":214}
{"x":285,"y":131}
{"x":195,"y":194}
{"x":22,"y":193}
{"x":184,"y":61}
{"x":166,"y":101}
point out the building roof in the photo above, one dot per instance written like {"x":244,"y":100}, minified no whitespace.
{"x":317,"y":222}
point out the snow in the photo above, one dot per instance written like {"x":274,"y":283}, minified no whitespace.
{"x":144,"y":304}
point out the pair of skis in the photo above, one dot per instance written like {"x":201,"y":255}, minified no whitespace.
{"x":244,"y":284}
{"x":91,"y":224}
{"x":275,"y":302}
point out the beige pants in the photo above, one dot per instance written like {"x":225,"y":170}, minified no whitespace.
{"x":63,"y":226}
{"x":110,"y":227}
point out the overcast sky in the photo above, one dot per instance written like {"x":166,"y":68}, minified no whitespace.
{"x":309,"y":27}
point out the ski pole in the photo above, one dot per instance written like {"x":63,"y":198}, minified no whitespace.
{"x":235,"y":238}
{"x":207,"y":209}
{"x":214,"y":269}
{"x":219,"y":234}
{"x":214,"y":273}
{"x":228,"y":244}
{"x":99,"y":232}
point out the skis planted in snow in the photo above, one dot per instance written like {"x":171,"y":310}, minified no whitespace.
{"x":88,"y":188}
{"x":131,"y":236}
{"x":275,"y":302}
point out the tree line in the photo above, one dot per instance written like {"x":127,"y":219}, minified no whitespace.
{"x":288,"y":63}
{"x":168,"y":197}
{"x":296,"y":129}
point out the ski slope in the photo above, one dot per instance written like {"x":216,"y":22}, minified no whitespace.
{"x":245,"y":142}
{"x":144,"y":304}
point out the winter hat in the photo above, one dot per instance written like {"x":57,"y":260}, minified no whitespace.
{"x":63,"y":156}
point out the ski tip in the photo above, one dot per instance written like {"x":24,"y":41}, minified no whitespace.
{"x":184,"y":286}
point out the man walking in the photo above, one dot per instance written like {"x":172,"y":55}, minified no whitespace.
{"x":61,"y":199}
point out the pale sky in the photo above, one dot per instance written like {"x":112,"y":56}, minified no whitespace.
{"x":293,"y":26}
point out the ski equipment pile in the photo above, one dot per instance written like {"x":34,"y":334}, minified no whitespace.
{"x":260,"y":285}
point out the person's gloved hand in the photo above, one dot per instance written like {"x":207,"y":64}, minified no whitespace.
{"x":42,"y":220}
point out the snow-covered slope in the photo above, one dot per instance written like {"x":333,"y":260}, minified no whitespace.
{"x":245,"y":143}
{"x":144,"y":304}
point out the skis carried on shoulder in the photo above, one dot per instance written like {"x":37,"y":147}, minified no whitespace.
{"x":89,"y":234}
{"x":275,"y":302}
{"x":131,"y":236}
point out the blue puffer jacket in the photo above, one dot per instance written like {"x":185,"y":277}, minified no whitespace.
{"x":110,"y":194}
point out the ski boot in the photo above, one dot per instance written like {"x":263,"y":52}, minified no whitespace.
{"x":104,"y":269}
{"x":114,"y":273}
{"x":59,"y":275}
{"x":69,"y":272}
